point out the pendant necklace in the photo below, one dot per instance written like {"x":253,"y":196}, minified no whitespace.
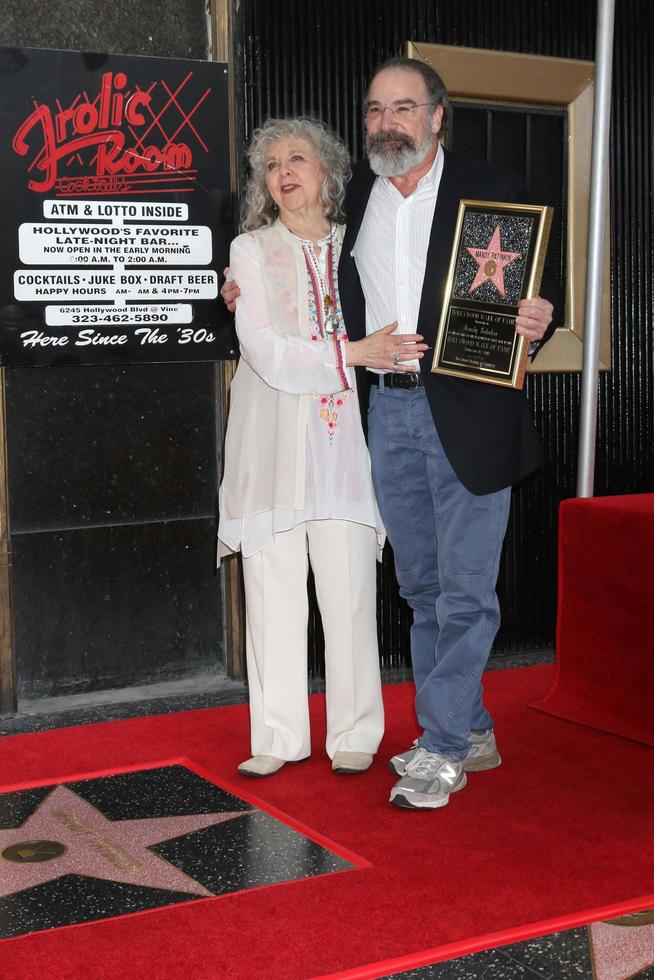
{"x":329,"y":322}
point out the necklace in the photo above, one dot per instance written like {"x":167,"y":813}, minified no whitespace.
{"x":329,"y":322}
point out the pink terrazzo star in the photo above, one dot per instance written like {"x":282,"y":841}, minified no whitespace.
{"x":621,"y":951}
{"x":115,"y":850}
{"x":491,"y":262}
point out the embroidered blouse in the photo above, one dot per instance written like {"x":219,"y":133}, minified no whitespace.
{"x":294,"y":448}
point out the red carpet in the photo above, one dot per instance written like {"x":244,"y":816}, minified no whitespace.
{"x":605,"y":642}
{"x":559,"y":835}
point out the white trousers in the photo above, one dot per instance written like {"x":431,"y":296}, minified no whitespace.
{"x":343,"y":559}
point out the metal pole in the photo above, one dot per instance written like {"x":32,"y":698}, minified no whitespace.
{"x":598,"y":182}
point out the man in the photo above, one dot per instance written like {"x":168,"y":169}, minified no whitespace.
{"x":445,"y":451}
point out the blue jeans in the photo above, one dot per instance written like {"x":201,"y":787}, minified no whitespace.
{"x":447,"y":544}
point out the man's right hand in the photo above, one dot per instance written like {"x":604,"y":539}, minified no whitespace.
{"x":229,"y":291}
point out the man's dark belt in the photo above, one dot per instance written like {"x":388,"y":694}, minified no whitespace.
{"x":399,"y":379}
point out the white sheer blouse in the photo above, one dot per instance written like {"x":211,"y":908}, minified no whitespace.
{"x":294,"y":447}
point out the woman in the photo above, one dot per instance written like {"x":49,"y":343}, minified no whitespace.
{"x":297,"y":473}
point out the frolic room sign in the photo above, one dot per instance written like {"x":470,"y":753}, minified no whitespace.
{"x":117,"y":209}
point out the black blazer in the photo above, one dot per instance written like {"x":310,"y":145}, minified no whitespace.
{"x":486,"y":431}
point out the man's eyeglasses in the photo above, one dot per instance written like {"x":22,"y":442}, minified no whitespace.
{"x":401,"y":110}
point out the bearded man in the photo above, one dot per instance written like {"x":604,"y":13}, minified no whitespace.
{"x":445,"y":451}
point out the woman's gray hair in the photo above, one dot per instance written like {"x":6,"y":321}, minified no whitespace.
{"x":259,"y":209}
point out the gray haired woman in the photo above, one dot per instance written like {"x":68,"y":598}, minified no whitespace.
{"x":297,"y":483}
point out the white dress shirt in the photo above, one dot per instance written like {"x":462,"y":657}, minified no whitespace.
{"x":391,"y":250}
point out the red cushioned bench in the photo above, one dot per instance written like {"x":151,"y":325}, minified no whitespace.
{"x":605,"y":622}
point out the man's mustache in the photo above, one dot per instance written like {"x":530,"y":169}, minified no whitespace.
{"x":390,"y":136}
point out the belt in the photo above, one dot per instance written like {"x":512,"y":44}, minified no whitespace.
{"x":400,"y":379}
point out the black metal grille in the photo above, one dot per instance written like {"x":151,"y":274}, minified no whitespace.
{"x":531,"y":142}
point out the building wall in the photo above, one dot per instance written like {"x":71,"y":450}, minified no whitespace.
{"x":112,"y":470}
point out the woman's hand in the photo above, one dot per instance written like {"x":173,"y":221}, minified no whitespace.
{"x":229,"y":291}
{"x":386,"y":350}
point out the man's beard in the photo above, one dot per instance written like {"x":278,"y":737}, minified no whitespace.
{"x":392,"y":153}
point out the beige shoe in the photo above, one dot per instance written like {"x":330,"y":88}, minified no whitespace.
{"x":351,"y":763}
{"x":261,"y":765}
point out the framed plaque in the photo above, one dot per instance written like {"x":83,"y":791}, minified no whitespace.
{"x":497,"y":260}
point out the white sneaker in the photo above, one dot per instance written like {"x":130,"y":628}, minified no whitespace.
{"x":483,"y":752}
{"x":400,"y":761}
{"x":428,"y":781}
{"x":482,"y":755}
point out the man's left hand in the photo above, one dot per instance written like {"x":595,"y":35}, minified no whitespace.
{"x":534,"y":317}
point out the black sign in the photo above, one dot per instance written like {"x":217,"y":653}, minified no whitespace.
{"x":116,"y":209}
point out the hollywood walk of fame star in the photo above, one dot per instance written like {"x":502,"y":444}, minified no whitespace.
{"x":622,"y":948}
{"x":67,"y":835}
{"x":491,"y":262}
